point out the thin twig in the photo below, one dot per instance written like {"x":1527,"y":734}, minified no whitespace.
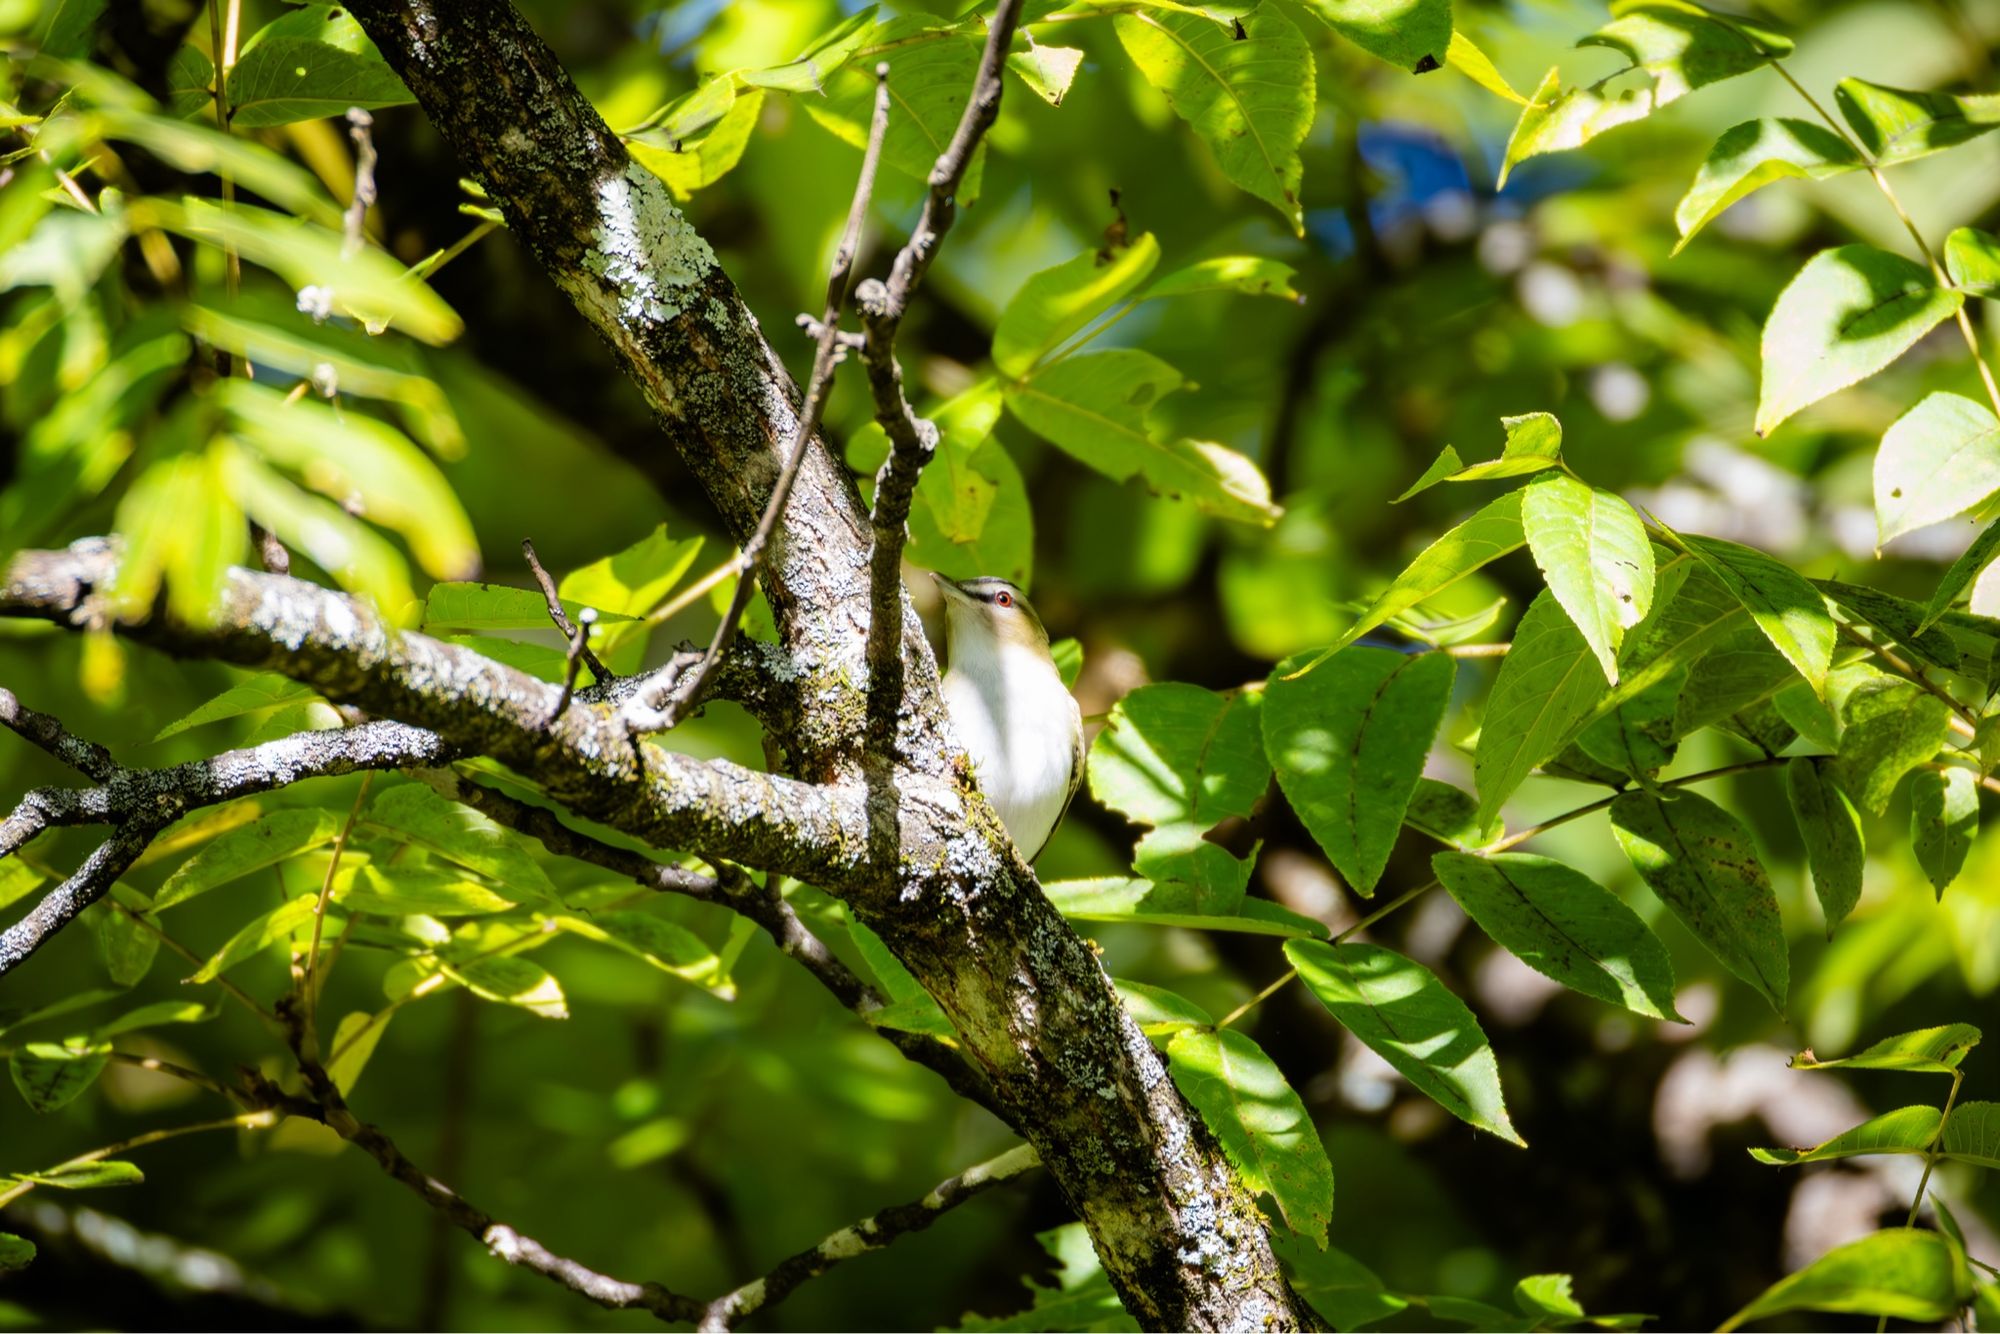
{"x":692,"y":594}
{"x":499,"y":1238}
{"x":577,"y":637}
{"x":359,"y":128}
{"x":248,"y":1121}
{"x":44,"y":730}
{"x":660,"y":708}
{"x":309,"y":982}
{"x":869,"y":1234}
{"x":1963,"y":720}
{"x":912,"y":439}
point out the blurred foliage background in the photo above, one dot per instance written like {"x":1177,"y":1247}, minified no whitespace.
{"x":663,"y":1131}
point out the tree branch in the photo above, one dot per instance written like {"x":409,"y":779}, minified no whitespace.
{"x":503,"y":1241}
{"x":913,"y":439}
{"x":869,"y":1234}
{"x":478,"y":706}
{"x":760,"y":903}
{"x":653,"y":710}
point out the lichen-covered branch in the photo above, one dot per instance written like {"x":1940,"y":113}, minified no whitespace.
{"x":869,"y":1234}
{"x":477,"y":706}
{"x":139,"y":803}
{"x":912,"y":439}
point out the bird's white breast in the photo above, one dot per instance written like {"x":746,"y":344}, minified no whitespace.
{"x":1018,"y":724}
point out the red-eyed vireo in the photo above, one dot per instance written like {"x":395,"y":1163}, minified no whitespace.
{"x":1010,"y":708}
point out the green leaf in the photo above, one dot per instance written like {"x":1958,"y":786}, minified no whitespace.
{"x":276,"y":837}
{"x":17,"y":881}
{"x":1413,"y":35}
{"x":1448,"y":814}
{"x":1679,"y":46}
{"x":1888,"y":728}
{"x":15,"y":1252}
{"x":1095,"y":407}
{"x":51,"y":1075}
{"x":1936,"y":1051}
{"x":1900,"y":125}
{"x":361,"y":559}
{"x":691,"y":164}
{"x":1564,"y":925}
{"x":1183,"y":759}
{"x":127,"y":947}
{"x":1962,"y":572}
{"x":1158,"y":1011}
{"x":310,"y":63}
{"x":1903,"y":1273}
{"x":397,"y":891}
{"x":364,"y":465}
{"x":190,"y":77}
{"x":1850,"y":312}
{"x":1251,"y":100}
{"x":932,"y":64}
{"x":1262,"y":1124}
{"x":1249,"y":275}
{"x":1047,"y":70}
{"x":266,"y":690}
{"x":367,"y":284}
{"x":1407,"y":1017}
{"x":152,"y":1016}
{"x":1972,"y":259}
{"x":512,"y":980}
{"x":1941,"y":458}
{"x":1082,"y":1299}
{"x":1534,"y":442}
{"x":971,"y":515}
{"x":669,"y":947}
{"x":629,"y":582}
{"x":468,"y":606}
{"x":1702,"y":864}
{"x":263,"y":930}
{"x":183,"y":529}
{"x":1905,"y":1130}
{"x":1486,"y":536}
{"x":87,"y":1176}
{"x":462,"y":835}
{"x":1465,"y":56}
{"x":1831,"y":829}
{"x":1548,"y":683}
{"x":1348,"y":742}
{"x":11,"y":1019}
{"x":1972,"y":1135}
{"x":1057,"y":302}
{"x":1751,"y":156}
{"x":1789,"y":611}
{"x":1898,"y":619}
{"x":1125,"y":899}
{"x":1345,"y":1292}
{"x":1944,"y":819}
{"x":62,"y":28}
{"x":1068,"y":655}
{"x":1637,"y":739}
{"x":354,"y":1040}
{"x":202,"y":149}
{"x":1596,"y":557}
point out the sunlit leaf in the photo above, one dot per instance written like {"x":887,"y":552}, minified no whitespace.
{"x":1850,"y":312}
{"x":1944,"y":819}
{"x":1751,"y":156}
{"x":1905,"y":1130}
{"x":1888,"y":728}
{"x":1262,"y":1125}
{"x":1250,"y":99}
{"x":1413,"y":35}
{"x":1348,"y":742}
{"x":462,"y":835}
{"x":1595,"y":556}
{"x":1926,"y":1051}
{"x":1831,"y":830}
{"x":1789,"y":611}
{"x":276,"y":837}
{"x":1408,"y":1018}
{"x":308,"y":63}
{"x":1900,"y":125}
{"x":1548,"y":683}
{"x":1564,"y":925}
{"x":1904,"y":1273}
{"x":1058,"y":302}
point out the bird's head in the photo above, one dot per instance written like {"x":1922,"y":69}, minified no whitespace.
{"x":990,"y":609}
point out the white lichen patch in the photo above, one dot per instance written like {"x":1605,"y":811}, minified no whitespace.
{"x":642,"y":246}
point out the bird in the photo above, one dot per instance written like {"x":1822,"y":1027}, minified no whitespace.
{"x":1010,"y":708}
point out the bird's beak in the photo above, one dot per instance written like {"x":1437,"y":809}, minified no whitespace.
{"x":948,"y":588}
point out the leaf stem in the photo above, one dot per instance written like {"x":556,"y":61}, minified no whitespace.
{"x":309,"y":983}
{"x":1963,"y":720}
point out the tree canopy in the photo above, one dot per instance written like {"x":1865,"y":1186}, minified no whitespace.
{"x":1515,"y":490}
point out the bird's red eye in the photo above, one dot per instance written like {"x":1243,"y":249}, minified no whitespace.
{"x":1003,"y":599}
